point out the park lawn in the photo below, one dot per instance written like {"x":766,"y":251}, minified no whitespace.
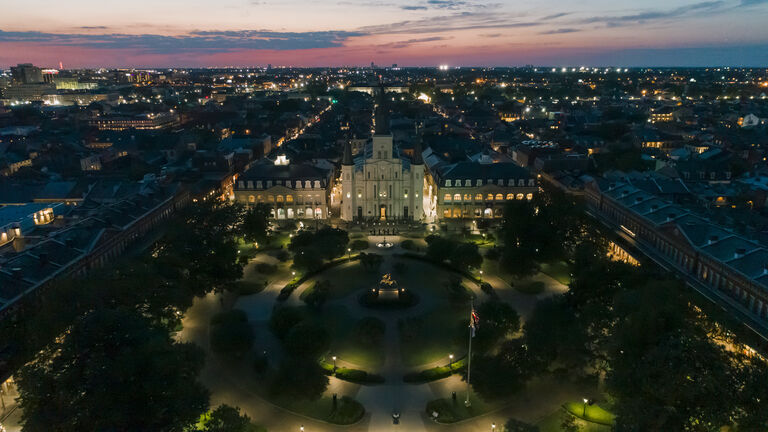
{"x":451,"y":412}
{"x":435,"y":335}
{"x":348,"y":411}
{"x":552,"y":423}
{"x":557,"y":270}
{"x":345,"y":280}
{"x":341,"y":326}
{"x":593,"y":413}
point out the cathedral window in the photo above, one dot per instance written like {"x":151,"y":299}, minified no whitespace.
{"x":251,"y":198}
{"x":467,"y":197}
{"x":457,"y":197}
{"x":447,"y":198}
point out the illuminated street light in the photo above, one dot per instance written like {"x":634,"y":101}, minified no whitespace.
{"x":584,"y":413}
{"x":450,"y":361}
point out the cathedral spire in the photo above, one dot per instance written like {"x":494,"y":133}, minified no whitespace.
{"x":417,"y":148}
{"x":347,"y":159}
{"x":382,"y":112}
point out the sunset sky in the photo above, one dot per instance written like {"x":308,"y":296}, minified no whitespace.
{"x":166,"y":33}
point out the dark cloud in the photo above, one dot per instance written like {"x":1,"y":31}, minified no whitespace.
{"x":554,"y":16}
{"x":93,"y":27}
{"x":448,"y":23}
{"x":413,"y":7}
{"x":641,"y":17}
{"x":409,"y":42}
{"x":560,"y":31}
{"x":198,"y":41}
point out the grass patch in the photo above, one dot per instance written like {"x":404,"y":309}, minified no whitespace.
{"x":593,"y":413}
{"x":436,"y":373}
{"x":553,"y":423}
{"x":433,"y":336}
{"x":346,"y":412}
{"x":530,"y":287}
{"x":557,"y":270}
{"x":450,"y":411}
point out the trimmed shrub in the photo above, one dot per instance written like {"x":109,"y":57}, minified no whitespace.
{"x":408,"y":245}
{"x":358,"y":376}
{"x":358,"y":245}
{"x":348,"y":411}
{"x":265,"y":268}
{"x":231,"y":333}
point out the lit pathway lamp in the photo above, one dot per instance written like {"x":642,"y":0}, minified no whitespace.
{"x":493,"y":427}
{"x":349,"y":254}
{"x":584,"y":413}
{"x":334,"y":363}
{"x":450,"y":361}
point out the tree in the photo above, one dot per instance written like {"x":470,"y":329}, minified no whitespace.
{"x":113,"y":371}
{"x":465,"y":256}
{"x":497,"y":320}
{"x":553,"y":332}
{"x":227,"y":419}
{"x":299,"y":379}
{"x":307,"y":340}
{"x":255,"y":224}
{"x":231,"y":333}
{"x":438,"y":248}
{"x":371,"y":261}
{"x":318,"y":294}
{"x":284,"y":318}
{"x":501,"y":375}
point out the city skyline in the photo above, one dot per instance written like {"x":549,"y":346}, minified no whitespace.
{"x":84,"y":33}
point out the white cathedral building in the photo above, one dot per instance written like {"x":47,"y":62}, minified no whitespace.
{"x":379,"y":183}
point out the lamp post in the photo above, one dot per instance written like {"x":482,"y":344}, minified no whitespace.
{"x":493,"y":427}
{"x":301,"y":428}
{"x":584,"y":413}
{"x":349,"y":254}
{"x":334,"y":362}
{"x":450,"y":361}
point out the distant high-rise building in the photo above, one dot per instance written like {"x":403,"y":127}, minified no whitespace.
{"x":26,"y":73}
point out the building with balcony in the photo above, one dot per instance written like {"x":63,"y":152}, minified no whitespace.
{"x":292,"y":191}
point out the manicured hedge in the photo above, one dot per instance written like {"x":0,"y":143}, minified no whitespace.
{"x":352,"y":375}
{"x":435,"y":373}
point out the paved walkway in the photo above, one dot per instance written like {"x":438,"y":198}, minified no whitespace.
{"x":228,"y":383}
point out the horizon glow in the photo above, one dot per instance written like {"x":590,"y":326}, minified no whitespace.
{"x":196,"y":33}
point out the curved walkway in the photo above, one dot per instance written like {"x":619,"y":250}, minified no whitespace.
{"x":380,"y":401}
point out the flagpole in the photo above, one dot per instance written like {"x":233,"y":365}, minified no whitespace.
{"x":469,"y":354}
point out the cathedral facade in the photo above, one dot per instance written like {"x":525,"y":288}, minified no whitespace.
{"x":379,"y":183}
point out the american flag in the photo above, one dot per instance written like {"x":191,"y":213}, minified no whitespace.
{"x":474,"y":321}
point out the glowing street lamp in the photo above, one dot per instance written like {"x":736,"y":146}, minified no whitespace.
{"x":450,"y":361}
{"x":349,"y":254}
{"x":493,"y":427}
{"x":334,"y":362}
{"x":584,"y":413}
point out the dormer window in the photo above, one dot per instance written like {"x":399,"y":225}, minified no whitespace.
{"x":448,"y":183}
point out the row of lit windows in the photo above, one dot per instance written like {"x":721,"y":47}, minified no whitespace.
{"x":277,"y":198}
{"x":499,"y":182}
{"x":307,"y":184}
{"x":489,"y":197}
